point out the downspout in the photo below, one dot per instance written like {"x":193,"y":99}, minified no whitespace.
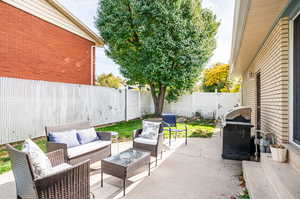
{"x":93,"y":53}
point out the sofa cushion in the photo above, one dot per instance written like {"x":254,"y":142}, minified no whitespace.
{"x":40,"y":163}
{"x":85,"y":148}
{"x":150,"y":130}
{"x":145,"y":141}
{"x":67,"y":137}
{"x":87,"y":135}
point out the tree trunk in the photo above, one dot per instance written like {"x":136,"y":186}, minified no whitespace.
{"x":158,"y":99}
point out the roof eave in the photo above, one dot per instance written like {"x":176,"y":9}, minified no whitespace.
{"x":240,"y":16}
{"x":98,"y":40}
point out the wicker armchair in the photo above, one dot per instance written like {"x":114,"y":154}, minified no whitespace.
{"x":155,"y":149}
{"x":71,"y":183}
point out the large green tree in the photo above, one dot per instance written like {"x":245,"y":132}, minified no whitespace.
{"x":160,"y":43}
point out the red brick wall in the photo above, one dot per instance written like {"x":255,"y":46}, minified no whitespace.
{"x":32,"y":48}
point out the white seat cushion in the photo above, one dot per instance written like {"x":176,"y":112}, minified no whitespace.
{"x":85,"y":148}
{"x":145,"y":141}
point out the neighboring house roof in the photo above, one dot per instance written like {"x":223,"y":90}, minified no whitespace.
{"x":53,"y":12}
{"x":76,"y":21}
{"x":253,"y":21}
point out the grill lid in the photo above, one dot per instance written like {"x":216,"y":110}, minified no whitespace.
{"x":242,"y":111}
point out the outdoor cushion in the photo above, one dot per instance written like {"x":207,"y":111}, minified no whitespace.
{"x":87,"y":135}
{"x":41,"y":164}
{"x":67,"y":137}
{"x":145,"y":141}
{"x":85,"y":148}
{"x":150,"y":130}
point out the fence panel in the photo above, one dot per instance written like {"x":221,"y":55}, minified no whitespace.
{"x":27,"y":106}
{"x":147,"y":106}
{"x":227,"y":101}
{"x":133,"y":104}
{"x":207,"y":104}
{"x":183,"y":106}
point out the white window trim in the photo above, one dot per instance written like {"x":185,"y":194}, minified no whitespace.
{"x":291,"y":80}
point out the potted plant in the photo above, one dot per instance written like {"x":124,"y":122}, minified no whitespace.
{"x":279,"y":152}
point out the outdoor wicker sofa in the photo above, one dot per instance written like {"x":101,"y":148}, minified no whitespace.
{"x":155,"y":147}
{"x":67,"y":183}
{"x":94,"y":151}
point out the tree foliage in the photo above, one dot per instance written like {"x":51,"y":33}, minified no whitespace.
{"x":160,"y":43}
{"x":109,"y":80}
{"x":217,"y":77}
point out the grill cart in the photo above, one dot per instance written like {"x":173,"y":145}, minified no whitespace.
{"x":236,"y":134}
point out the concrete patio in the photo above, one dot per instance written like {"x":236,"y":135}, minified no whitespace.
{"x":193,"y":171}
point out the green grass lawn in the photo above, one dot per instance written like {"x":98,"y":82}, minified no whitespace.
{"x":197,"y":128}
{"x":123,"y":128}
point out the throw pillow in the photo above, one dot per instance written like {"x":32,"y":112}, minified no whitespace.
{"x":41,"y":164}
{"x":66,"y":137}
{"x":87,"y":135}
{"x":150,"y":130}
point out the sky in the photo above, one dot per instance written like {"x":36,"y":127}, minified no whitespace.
{"x":86,"y":10}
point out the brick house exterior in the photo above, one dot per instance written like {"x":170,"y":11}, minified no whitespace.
{"x":33,"y":47}
{"x":260,"y":57}
{"x":265,"y":55}
{"x":271,"y":62}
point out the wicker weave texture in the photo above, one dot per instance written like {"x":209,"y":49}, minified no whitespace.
{"x":72,"y":183}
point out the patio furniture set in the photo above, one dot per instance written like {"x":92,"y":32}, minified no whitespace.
{"x":65,"y":170}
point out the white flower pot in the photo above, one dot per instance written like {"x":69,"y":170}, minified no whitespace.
{"x":278,"y":154}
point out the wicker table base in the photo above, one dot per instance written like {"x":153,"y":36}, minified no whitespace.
{"x":125,"y":165}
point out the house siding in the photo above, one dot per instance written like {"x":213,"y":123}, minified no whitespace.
{"x":32,"y":48}
{"x":272,"y":63}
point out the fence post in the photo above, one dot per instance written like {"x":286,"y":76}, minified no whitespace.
{"x":126,"y":103}
{"x":217,"y":104}
{"x":140,"y":103}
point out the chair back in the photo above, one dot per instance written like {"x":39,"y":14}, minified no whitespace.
{"x":169,"y":119}
{"x":66,"y":127}
{"x":22,"y":172}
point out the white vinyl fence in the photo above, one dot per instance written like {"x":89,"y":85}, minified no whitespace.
{"x":208,"y":105}
{"x":133,"y":104}
{"x":27,"y":106}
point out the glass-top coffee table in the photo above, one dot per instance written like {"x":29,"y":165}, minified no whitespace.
{"x":125,"y":165}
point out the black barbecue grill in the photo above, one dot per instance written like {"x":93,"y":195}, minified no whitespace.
{"x":236,"y":134}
